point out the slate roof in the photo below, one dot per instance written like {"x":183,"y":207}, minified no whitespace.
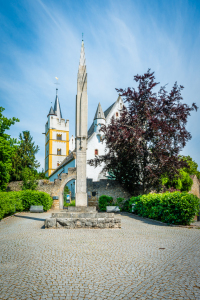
{"x":99,"y":113}
{"x":51,"y":111}
{"x":106,"y":112}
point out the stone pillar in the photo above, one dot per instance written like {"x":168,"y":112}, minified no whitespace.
{"x":81,"y":131}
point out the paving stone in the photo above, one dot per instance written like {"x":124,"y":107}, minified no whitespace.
{"x":98,"y":264}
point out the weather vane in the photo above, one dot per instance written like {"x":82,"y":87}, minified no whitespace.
{"x":82,"y":36}
{"x":57,"y":80}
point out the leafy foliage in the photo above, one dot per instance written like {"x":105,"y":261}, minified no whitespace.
{"x":174,"y":208}
{"x":145,"y":142}
{"x":9,"y":203}
{"x":105,"y":201}
{"x":72,"y":203}
{"x":22,"y":200}
{"x":119,"y":202}
{"x":181,"y":181}
{"x":192,"y":168}
{"x":29,"y":179}
{"x":7,"y":148}
{"x":24,"y":157}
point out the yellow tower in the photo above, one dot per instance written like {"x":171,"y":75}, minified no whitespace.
{"x":56,"y":138}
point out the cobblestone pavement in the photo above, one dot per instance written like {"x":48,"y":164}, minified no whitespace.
{"x":143,"y":260}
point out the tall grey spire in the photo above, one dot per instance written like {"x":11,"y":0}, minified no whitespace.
{"x":99,"y":113}
{"x":82,"y":61}
{"x":81,"y":131}
{"x":57,"y":108}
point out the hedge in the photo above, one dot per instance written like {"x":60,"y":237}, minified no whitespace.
{"x":22,"y":200}
{"x":173,"y":208}
{"x":105,"y":201}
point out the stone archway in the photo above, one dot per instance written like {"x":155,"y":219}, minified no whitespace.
{"x":65,"y":178}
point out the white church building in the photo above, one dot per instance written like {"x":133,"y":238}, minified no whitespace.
{"x":95,"y":146}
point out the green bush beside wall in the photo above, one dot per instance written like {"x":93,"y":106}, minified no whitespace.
{"x":173,"y":208}
{"x":105,"y":201}
{"x":22,"y":200}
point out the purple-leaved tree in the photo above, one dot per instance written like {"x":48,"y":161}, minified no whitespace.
{"x":145,"y":142}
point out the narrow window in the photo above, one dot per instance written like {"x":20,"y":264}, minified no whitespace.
{"x":59,"y":136}
{"x":96,"y":152}
{"x":58,"y":151}
{"x":117,"y":114}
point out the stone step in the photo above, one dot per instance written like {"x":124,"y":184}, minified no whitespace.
{"x":77,"y":215}
{"x":82,"y":208}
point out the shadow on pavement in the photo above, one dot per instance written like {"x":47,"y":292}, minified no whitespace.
{"x":31,"y":218}
{"x":146,"y":221}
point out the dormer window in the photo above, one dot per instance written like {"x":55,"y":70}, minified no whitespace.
{"x":58,"y":151}
{"x":96,"y":152}
{"x":59,"y":136}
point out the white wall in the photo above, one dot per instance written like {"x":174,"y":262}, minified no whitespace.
{"x":95,"y":143}
{"x":57,"y":159}
{"x":58,"y":145}
{"x":54,"y":135}
{"x":72,"y":143}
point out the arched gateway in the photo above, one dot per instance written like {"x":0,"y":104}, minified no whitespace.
{"x":65,"y":178}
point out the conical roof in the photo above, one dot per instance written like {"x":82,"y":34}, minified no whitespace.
{"x":57,"y":109}
{"x":51,"y":111}
{"x":99,"y":113}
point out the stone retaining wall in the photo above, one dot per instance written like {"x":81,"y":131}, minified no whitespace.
{"x":105,"y":187}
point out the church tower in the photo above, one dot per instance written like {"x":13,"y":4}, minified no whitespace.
{"x":56,"y":138}
{"x":81,"y":131}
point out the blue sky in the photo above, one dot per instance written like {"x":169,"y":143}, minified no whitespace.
{"x":41,"y":39}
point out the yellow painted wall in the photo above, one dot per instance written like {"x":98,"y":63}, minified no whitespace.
{"x":50,"y":142}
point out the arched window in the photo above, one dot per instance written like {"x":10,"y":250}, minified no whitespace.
{"x":117,"y":114}
{"x":96,"y":152}
{"x":59,"y":136}
{"x":58,"y":151}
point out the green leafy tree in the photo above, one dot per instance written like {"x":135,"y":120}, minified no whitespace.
{"x":24,"y":157}
{"x":29,"y":179}
{"x":181,"y":181}
{"x":192,"y":166}
{"x":7,"y":149}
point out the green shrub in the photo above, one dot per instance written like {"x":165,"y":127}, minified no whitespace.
{"x":9,"y":203}
{"x":174,"y":208}
{"x":70,"y":204}
{"x":105,"y":201}
{"x":119,"y":202}
{"x":126,"y":206}
{"x":29,"y":198}
{"x":22,"y":200}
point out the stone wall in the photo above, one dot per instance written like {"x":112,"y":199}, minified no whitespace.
{"x":44,"y":185}
{"x":105,"y":187}
{"x":95,"y":188}
{"x":195,"y":187}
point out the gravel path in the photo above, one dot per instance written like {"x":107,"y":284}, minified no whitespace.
{"x":127,"y":263}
